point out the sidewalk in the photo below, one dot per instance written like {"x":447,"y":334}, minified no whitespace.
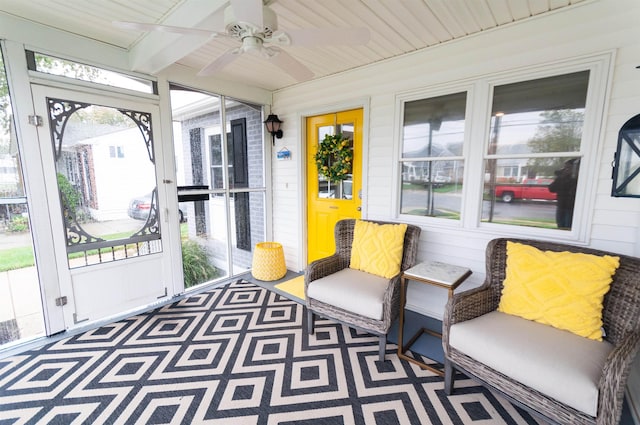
{"x":20,"y":305}
{"x":10,"y":240}
{"x":14,"y":240}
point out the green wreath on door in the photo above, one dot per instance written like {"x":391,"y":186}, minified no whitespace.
{"x":334,"y":158}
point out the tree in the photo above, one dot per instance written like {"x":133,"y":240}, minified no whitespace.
{"x":70,"y":195}
{"x":5,"y":110}
{"x":44,"y":64}
{"x":559,"y":131}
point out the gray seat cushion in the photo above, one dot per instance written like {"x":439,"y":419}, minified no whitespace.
{"x":352,"y":290}
{"x":558,"y":363}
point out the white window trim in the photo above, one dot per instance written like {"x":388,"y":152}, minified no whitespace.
{"x":477,"y":126}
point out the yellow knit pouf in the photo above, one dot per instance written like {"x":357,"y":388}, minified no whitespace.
{"x":268,"y":261}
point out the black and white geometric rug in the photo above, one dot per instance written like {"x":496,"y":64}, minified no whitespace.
{"x":233,"y":355}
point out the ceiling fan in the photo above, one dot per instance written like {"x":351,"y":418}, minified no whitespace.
{"x":255,"y":27}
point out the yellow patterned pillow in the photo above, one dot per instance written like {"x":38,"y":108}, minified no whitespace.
{"x":561,"y":289}
{"x":377,"y":248}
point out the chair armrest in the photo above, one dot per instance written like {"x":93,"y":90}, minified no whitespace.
{"x":324,"y":267}
{"x":470,"y":304}
{"x":394,"y":286}
{"x":614,"y":378}
{"x":391,"y":302}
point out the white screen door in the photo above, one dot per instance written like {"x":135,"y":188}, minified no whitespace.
{"x":99,"y":158}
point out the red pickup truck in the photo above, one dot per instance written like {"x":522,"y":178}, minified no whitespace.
{"x":528,"y":189}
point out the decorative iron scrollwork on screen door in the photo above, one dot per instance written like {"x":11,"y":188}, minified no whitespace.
{"x":78,"y":133}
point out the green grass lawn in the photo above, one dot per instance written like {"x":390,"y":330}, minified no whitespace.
{"x":16,"y":258}
{"x":438,"y":213}
{"x":21,"y":257}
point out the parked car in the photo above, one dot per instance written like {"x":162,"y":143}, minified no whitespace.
{"x":140,"y":207}
{"x":440,"y":178}
{"x":528,"y":189}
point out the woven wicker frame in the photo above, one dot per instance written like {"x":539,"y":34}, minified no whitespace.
{"x":341,"y":259}
{"x":621,"y":317}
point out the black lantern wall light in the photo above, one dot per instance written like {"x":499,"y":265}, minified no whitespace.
{"x":626,"y":163}
{"x":273,"y":126}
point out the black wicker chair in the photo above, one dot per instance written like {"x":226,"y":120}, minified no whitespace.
{"x":339,"y":261}
{"x":621,"y":318}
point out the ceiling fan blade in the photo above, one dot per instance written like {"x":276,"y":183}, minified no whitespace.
{"x":289,"y":64}
{"x":329,"y":37}
{"x":220,"y":62}
{"x":139,"y":26}
{"x":248,"y":11}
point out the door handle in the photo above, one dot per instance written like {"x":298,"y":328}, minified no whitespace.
{"x":359,"y":209}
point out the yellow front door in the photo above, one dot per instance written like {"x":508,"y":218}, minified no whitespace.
{"x":330,"y":201}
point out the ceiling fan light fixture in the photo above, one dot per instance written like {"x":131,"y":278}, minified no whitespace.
{"x":252,"y":44}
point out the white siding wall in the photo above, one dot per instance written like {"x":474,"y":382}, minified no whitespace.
{"x":597,"y":27}
{"x":607,"y":26}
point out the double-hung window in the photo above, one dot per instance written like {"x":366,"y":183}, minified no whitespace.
{"x":533,"y":154}
{"x":520,"y":143}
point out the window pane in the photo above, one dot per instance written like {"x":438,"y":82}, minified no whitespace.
{"x":528,"y":196}
{"x":247,"y":219}
{"x":66,"y":68}
{"x":433,"y":129}
{"x":19,"y":283}
{"x":217,"y":176}
{"x":539,"y":116}
{"x":204,"y":240}
{"x":441,"y":197}
{"x":221,"y":189}
{"x":627,"y":162}
{"x":341,"y":189}
{"x":245,"y":147}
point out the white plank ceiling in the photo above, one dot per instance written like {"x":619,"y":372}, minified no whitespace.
{"x":397,"y":27}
